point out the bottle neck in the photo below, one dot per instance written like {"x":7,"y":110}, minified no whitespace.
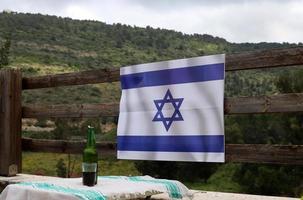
{"x":91,"y":140}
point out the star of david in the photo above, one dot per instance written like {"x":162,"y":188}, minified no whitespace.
{"x":176,"y":116}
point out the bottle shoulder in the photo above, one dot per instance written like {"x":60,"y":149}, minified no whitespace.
{"x":90,"y":151}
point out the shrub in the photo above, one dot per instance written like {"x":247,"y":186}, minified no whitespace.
{"x":61,"y":168}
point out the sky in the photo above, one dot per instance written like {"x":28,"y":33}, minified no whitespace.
{"x":235,"y":20}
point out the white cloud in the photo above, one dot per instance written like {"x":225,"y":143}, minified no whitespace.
{"x":234,"y":20}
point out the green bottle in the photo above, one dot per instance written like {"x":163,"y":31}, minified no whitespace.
{"x":90,"y":159}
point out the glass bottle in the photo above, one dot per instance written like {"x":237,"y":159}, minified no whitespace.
{"x":90,"y":159}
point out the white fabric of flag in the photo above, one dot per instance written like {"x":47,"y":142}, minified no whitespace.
{"x":173,"y":110}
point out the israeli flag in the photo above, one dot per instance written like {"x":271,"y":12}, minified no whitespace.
{"x":173,"y":110}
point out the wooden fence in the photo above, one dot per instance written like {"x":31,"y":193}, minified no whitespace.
{"x":11,"y":111}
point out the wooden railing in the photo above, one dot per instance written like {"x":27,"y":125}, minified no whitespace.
{"x":250,"y":60}
{"x":10,"y":139}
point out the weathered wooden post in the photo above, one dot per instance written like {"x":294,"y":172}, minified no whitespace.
{"x":10,"y":122}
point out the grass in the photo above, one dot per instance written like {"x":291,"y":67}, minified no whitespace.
{"x":45,"y":164}
{"x":221,"y":181}
{"x":38,"y":69}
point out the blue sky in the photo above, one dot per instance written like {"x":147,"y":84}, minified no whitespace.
{"x":234,"y":20}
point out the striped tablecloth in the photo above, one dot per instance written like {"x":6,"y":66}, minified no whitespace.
{"x":109,"y":187}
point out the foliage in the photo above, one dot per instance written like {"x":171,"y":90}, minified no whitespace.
{"x":38,"y":134}
{"x":42,"y":122}
{"x":276,"y":129}
{"x":71,"y":162}
{"x":83,"y":45}
{"x":110,"y":136}
{"x":290,"y":81}
{"x":177,"y":170}
{"x":66,"y":128}
{"x":222,"y":180}
{"x":61,"y":168}
{"x":4,"y":52}
{"x":271,"y":179}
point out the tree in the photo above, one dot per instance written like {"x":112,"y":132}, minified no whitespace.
{"x":183,"y":171}
{"x":4,"y":52}
{"x":276,"y":129}
{"x":61,"y":168}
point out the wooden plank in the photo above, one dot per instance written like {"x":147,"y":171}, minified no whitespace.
{"x":265,"y":59}
{"x":75,"y":78}
{"x":248,"y":60}
{"x":62,"y":146}
{"x":237,"y":105}
{"x":282,"y":103}
{"x":10,"y":122}
{"x":248,"y":153}
{"x":70,"y":111}
{"x":265,"y":153}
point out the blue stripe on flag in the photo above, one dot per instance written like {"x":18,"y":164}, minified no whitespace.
{"x":190,"y":143}
{"x":173,"y":76}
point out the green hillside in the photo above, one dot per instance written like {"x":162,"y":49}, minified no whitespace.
{"x":43,"y":44}
{"x":90,"y":44}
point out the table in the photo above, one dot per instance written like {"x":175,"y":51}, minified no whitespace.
{"x":197,"y":195}
{"x":109,"y":187}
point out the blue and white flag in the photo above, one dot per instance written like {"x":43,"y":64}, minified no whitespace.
{"x":173,"y":110}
